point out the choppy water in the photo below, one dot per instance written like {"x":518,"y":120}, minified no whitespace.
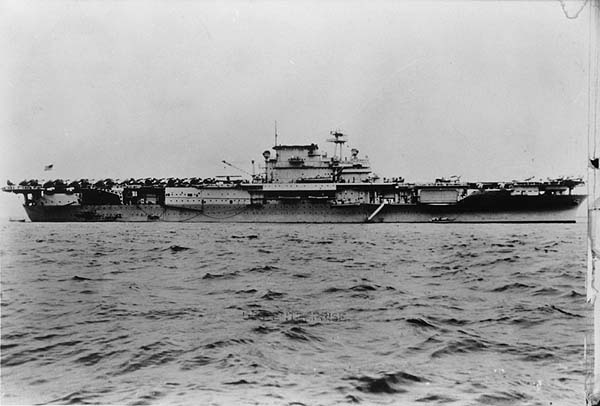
{"x":277,"y":314}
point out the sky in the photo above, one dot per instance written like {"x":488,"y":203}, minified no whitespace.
{"x":488,"y":90}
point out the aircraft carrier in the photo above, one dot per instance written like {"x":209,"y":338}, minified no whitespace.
{"x":300,"y":184}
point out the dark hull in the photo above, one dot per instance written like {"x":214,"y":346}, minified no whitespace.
{"x":475,"y":209}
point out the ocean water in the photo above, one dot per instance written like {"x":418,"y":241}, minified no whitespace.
{"x":164,"y":313}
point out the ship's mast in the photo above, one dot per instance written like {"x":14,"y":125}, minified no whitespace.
{"x":338,"y":139}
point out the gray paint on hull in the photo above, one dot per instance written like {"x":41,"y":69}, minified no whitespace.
{"x":302,"y":212}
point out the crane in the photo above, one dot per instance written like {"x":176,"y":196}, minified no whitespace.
{"x":239,"y":169}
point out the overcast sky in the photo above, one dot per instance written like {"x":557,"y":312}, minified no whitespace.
{"x":486,"y":90}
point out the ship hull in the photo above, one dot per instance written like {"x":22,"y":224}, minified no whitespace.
{"x":516,"y":209}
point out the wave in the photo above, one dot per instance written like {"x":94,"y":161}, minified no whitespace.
{"x":502,"y":398}
{"x":422,"y":323}
{"x":363,"y":288}
{"x":225,"y":343}
{"x":145,"y":359}
{"x":299,"y":334}
{"x":264,"y":329}
{"x":239,"y":382}
{"x":230,"y":275}
{"x":178,"y":248}
{"x":248,"y":237}
{"x":195,"y":362}
{"x":80,"y":278}
{"x":34,"y":354}
{"x":264,"y":268}
{"x":429,"y":399}
{"x":463,"y":346}
{"x":271,"y":295}
{"x":512,"y":286}
{"x":95,"y":357}
{"x":388,"y":383}
{"x":73,"y":398}
{"x":556,"y":308}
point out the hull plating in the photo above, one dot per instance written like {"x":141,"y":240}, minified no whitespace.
{"x":515,"y":210}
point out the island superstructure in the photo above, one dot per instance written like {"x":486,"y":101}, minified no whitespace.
{"x":300,"y":184}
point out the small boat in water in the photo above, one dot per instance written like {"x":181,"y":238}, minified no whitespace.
{"x":441,"y":220}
